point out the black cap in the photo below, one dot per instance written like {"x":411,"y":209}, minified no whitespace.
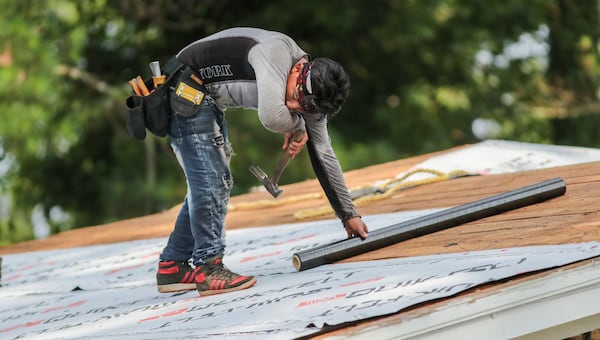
{"x":326,"y":87}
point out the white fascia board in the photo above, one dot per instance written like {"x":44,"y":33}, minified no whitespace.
{"x":566,"y":300}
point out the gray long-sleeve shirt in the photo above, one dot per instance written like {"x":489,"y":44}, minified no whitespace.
{"x":248,"y":67}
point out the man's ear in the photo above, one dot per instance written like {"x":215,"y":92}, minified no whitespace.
{"x":298,"y":66}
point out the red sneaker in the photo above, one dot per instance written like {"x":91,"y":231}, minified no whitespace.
{"x":174,"y":276}
{"x":214,"y":278}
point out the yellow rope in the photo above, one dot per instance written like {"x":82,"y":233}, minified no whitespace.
{"x":386,"y":190}
{"x":386,"y":184}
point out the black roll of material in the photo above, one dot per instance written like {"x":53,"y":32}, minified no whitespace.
{"x":428,"y":224}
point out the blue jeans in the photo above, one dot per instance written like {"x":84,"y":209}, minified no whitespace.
{"x":202,"y":148}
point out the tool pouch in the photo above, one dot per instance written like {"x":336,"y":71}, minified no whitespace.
{"x":134,"y":117}
{"x":152,"y":111}
{"x":148,"y":112}
{"x":187,"y":95}
{"x":156,"y":111}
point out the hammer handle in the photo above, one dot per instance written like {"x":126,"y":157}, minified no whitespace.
{"x":285,"y":157}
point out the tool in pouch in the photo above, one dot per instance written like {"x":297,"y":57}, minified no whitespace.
{"x":139,"y":86}
{"x":148,"y":106}
{"x":189,"y":93}
{"x":157,"y":77}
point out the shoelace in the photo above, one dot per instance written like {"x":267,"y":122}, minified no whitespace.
{"x":221,"y":271}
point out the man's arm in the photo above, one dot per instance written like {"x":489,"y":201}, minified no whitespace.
{"x":329,"y":173}
{"x":272,"y":62}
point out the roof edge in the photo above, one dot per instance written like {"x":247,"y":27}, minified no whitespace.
{"x":564,"y":302}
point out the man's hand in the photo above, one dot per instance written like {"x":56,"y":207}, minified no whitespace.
{"x":294,"y":148}
{"x":356,"y":227}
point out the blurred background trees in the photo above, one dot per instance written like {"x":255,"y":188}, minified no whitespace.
{"x":426,"y":76}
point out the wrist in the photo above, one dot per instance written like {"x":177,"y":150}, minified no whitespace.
{"x":351,"y":216}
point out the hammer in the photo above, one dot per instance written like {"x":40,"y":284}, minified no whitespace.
{"x":271,"y":183}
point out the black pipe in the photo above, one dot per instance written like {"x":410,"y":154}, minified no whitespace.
{"x":428,"y":224}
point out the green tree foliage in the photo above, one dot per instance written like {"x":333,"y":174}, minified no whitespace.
{"x":422,"y":72}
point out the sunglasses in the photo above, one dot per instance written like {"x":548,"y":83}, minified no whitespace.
{"x":303,"y":88}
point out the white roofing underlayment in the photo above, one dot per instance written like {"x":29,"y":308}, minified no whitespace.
{"x":109,"y":291}
{"x":557,"y":305}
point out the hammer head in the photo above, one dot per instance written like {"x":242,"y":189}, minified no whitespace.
{"x":262,"y":176}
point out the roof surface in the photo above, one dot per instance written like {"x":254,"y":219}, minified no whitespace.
{"x":571,"y":218}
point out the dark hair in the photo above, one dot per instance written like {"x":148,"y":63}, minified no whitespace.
{"x":330,"y":86}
